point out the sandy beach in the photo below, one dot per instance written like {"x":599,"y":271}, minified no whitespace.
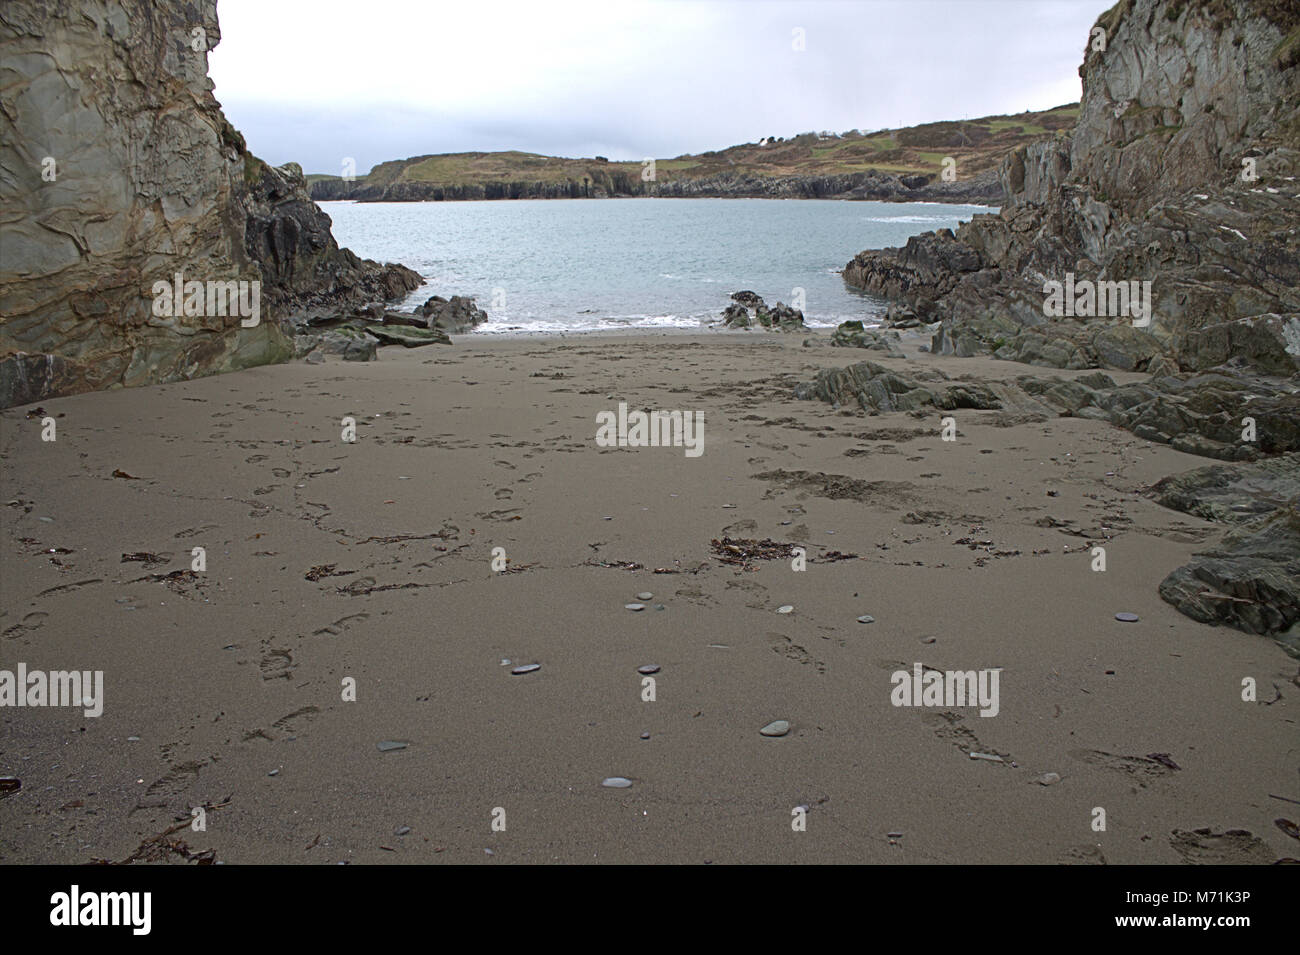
{"x":372,"y":561}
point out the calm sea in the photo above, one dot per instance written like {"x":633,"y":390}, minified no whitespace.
{"x":595,"y":264}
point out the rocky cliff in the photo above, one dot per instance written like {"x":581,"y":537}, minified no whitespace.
{"x":985,"y":187}
{"x":118,"y":171}
{"x":1181,"y":171}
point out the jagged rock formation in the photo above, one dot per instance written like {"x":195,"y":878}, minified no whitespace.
{"x":457,"y":314}
{"x":1250,"y":579}
{"x":1180,"y":171}
{"x":748,"y":310}
{"x":118,"y":170}
{"x":1197,"y":414}
{"x":854,"y":334}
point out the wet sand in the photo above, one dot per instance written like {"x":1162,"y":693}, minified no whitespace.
{"x":224,"y":688}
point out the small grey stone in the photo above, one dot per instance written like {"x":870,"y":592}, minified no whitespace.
{"x":274,"y":772}
{"x":1048,"y":779}
{"x":785,"y":608}
{"x":634,"y":607}
{"x":526,"y":668}
{"x":616,"y":782}
{"x":648,"y":668}
{"x":644,"y":595}
{"x":1127,"y":617}
{"x":866,"y":618}
{"x":776,"y":728}
{"x":389,"y":745}
{"x":645,"y":735}
{"x":401,"y":830}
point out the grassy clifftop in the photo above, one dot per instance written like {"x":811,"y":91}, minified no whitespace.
{"x":977,"y":146}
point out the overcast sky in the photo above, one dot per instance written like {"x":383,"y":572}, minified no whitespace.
{"x":315,"y":81}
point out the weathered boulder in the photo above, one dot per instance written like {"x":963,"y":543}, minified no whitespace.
{"x":408,"y":336}
{"x":736,"y":315}
{"x":747,"y":299}
{"x":456,"y":314}
{"x":781,"y":318}
{"x":853,"y":334}
{"x":348,"y":342}
{"x":1250,"y":579}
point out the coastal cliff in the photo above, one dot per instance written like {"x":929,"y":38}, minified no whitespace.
{"x":984,"y":188}
{"x":1181,"y":171}
{"x":118,"y":171}
{"x":953,"y":161}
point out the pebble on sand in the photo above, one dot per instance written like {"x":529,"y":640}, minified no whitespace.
{"x":526,"y":668}
{"x":866,"y":618}
{"x":633,"y":607}
{"x":648,"y":669}
{"x":1127,"y":617}
{"x":616,"y":782}
{"x":785,"y":608}
{"x":776,"y":728}
{"x":1048,"y":779}
{"x":644,"y":595}
{"x":389,"y":745}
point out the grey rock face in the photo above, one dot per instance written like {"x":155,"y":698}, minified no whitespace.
{"x":121,"y":171}
{"x":1198,"y":414}
{"x":1250,"y":579}
{"x":853,"y":334}
{"x":457,"y":314}
{"x":1149,"y":186}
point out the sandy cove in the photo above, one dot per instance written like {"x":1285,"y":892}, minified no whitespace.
{"x":223,"y":689}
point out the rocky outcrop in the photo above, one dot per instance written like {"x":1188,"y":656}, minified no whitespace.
{"x":1228,"y":417}
{"x":1181,"y":171}
{"x":748,"y":310}
{"x":854,"y":334}
{"x":1250,"y":579}
{"x":118,"y":173}
{"x":983,"y":188}
{"x":457,"y":314}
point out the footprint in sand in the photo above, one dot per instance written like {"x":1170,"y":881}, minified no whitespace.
{"x":740,"y":527}
{"x":1231,"y":847}
{"x":65,"y":588}
{"x":343,"y":623}
{"x":504,"y":494}
{"x":1137,"y":767}
{"x":290,"y":722}
{"x":1082,"y":855}
{"x":177,"y":780}
{"x":947,"y":726}
{"x":28,"y":624}
{"x":275,"y":664}
{"x":193,"y":531}
{"x":792,"y":651}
